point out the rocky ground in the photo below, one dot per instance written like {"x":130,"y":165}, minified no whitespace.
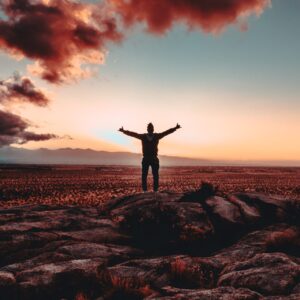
{"x":198,"y":245}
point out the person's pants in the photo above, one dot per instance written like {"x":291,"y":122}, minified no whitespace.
{"x":146,"y":163}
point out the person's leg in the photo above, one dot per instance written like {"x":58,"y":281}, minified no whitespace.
{"x":145,"y":168}
{"x":155,"y":169}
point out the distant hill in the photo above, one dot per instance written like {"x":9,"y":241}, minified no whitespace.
{"x":12,"y":155}
{"x":85,"y":156}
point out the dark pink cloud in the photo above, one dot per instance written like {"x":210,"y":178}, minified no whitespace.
{"x":209,"y":15}
{"x":21,"y":89}
{"x":60,"y":36}
{"x":13,"y":130}
{"x":63,"y":37}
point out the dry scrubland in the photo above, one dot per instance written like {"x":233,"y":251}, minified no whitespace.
{"x":92,"y":185}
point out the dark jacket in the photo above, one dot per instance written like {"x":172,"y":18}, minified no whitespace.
{"x":149,"y":141}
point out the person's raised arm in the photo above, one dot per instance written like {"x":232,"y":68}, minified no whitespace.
{"x":169,"y":131}
{"x":131,"y":133}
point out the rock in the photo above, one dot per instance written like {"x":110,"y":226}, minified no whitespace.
{"x":263,"y":200}
{"x":194,"y":272}
{"x":248,"y":246}
{"x":296,"y":289}
{"x":162,"y":224}
{"x":63,"y":279}
{"x":271,"y":208}
{"x":98,"y":235}
{"x":178,"y":271}
{"x":43,"y":247}
{"x":153,"y":246}
{"x":268,"y":274}
{"x":7,"y":284}
{"x":285,"y":240}
{"x":34,"y":261}
{"x":226,"y":211}
{"x":109,"y":252}
{"x":290,"y":297}
{"x":20,"y":227}
{"x":221,"y":293}
{"x":137,"y":273}
{"x":250,"y":214}
{"x":119,"y":206}
{"x":7,"y":279}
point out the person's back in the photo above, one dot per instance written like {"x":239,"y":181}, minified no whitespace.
{"x":150,"y":142}
{"x":150,"y":145}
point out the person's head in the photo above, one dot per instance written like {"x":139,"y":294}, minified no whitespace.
{"x":150,"y":128}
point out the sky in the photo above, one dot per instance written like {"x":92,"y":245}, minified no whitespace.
{"x":234,"y":88}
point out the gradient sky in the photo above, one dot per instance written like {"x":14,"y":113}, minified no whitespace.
{"x":236,"y":94}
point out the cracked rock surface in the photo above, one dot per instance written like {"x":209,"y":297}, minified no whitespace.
{"x":153,"y":246}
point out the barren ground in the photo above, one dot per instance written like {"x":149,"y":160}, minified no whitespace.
{"x":92,"y":185}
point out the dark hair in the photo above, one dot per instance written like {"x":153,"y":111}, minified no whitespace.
{"x":150,"y":125}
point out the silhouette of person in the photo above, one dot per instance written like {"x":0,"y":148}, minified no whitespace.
{"x":150,"y":142}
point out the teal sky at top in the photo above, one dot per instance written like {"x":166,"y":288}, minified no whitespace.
{"x":265,"y":60}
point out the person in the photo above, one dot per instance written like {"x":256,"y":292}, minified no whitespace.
{"x":150,"y":142}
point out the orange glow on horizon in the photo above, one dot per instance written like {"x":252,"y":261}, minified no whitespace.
{"x":239,"y":130}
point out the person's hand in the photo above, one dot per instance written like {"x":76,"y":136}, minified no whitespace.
{"x":178,"y":126}
{"x":121,"y":129}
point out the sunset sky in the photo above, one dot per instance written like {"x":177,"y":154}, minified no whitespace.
{"x":233,"y":87}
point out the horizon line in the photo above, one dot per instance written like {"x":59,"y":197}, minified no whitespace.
{"x":214,"y":162}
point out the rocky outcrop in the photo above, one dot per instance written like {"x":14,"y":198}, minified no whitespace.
{"x":255,"y":273}
{"x":214,"y":294}
{"x":153,"y":246}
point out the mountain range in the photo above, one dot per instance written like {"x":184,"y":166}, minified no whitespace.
{"x":13,"y":155}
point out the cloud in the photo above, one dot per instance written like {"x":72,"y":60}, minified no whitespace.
{"x":211,"y":16}
{"x":13,"y":130}
{"x":21,"y":89}
{"x":64,"y":37}
{"x":60,"y":36}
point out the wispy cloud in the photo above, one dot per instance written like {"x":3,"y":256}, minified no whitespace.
{"x":13,"y":130}
{"x":21,"y":89}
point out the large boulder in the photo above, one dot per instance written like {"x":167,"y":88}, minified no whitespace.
{"x":162,"y":223}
